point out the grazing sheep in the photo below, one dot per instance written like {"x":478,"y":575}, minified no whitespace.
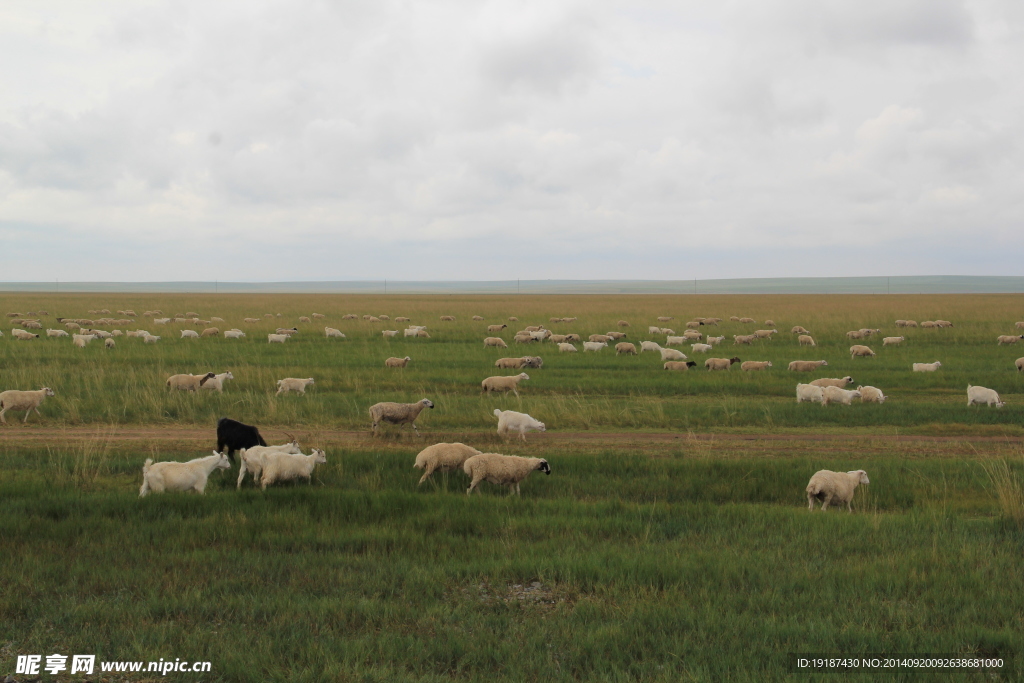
{"x":80,"y":340}
{"x":285,"y":467}
{"x":622,"y":323}
{"x":511,"y":421}
{"x":675,"y":341}
{"x":650,"y":346}
{"x":287,"y":330}
{"x":810,"y":393}
{"x":720,"y":363}
{"x":749,"y":365}
{"x":398,"y":413}
{"x":871,"y":395}
{"x":448,"y":318}
{"x":858,"y":350}
{"x":614,"y":336}
{"x":414,"y":332}
{"x":715,"y":340}
{"x":832,"y":382}
{"x":594,"y":346}
{"x":23,"y":335}
{"x":210,"y":332}
{"x":502,"y":470}
{"x":533,"y":362}
{"x":747,"y":320}
{"x":108,"y":343}
{"x":565,"y":347}
{"x":397,"y":362}
{"x":496,"y":342}
{"x":653,"y":329}
{"x":1009,"y":339}
{"x":600,"y":338}
{"x":856,"y":334}
{"x":216,"y":383}
{"x":558,"y":338}
{"x":666,"y":330}
{"x":246,"y":320}
{"x":701,"y":348}
{"x":625,"y":347}
{"x":188,"y":382}
{"x":331,"y":332}
{"x":943,"y":323}
{"x":1018,"y":326}
{"x":55,"y":333}
{"x":292,"y":384}
{"x":500,"y":383}
{"x":806,"y":365}
{"x":980,"y":395}
{"x":765,"y":334}
{"x":384,"y":317}
{"x":1019,"y":363}
{"x":743,"y":338}
{"x":150,"y":339}
{"x":682,"y":365}
{"x":494,"y":329}
{"x":181,"y":476}
{"x":665,"y":318}
{"x":401,"y":319}
{"x":928,"y":324}
{"x":867,"y":332}
{"x":890,"y":341}
{"x":837,"y":395}
{"x":16,"y":400}
{"x":694,"y":324}
{"x":374,"y":319}
{"x":318,"y":316}
{"x":443,"y":457}
{"x":770,"y":323}
{"x":800,"y":330}
{"x":32,"y":324}
{"x":734,"y":318}
{"x":350,"y":316}
{"x":233,"y":334}
{"x":513,"y":319}
{"x":927,"y":367}
{"x":250,"y":459}
{"x":672,"y":354}
{"x":827,"y":486}
{"x":523,"y":338}
{"x":806,"y":340}
{"x":910,"y":323}
{"x":573,"y":338}
{"x":189,"y":334}
{"x":389,"y":334}
{"x":277,"y":338}
{"x":690,"y":335}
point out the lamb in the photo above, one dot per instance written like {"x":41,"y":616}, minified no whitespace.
{"x":234,"y":334}
{"x":980,"y":395}
{"x":500,"y":383}
{"x":292,"y":384}
{"x":743,"y":338}
{"x":285,"y":467}
{"x":565,"y":347}
{"x":679,"y":365}
{"x":398,"y":413}
{"x":832,"y":382}
{"x":443,"y":457}
{"x":837,"y":395}
{"x":210,"y":332}
{"x":890,"y":341}
{"x":672,"y":354}
{"x":250,"y":459}
{"x":13,"y":399}
{"x":108,"y":343}
{"x":828,"y":486}
{"x":496,"y":342}
{"x":150,"y":339}
{"x":716,"y":340}
{"x":701,"y":348}
{"x":810,"y":393}
{"x":859,"y":350}
{"x":502,"y":470}
{"x":181,"y":476}
{"x":720,"y":363}
{"x":495,"y":329}
{"x":806,"y":365}
{"x":277,"y":338}
{"x":871,"y":395}
{"x":750,"y":365}
{"x":234,"y":435}
{"x":56,"y":333}
{"x":625,"y":347}
{"x":1008,"y":339}
{"x":594,"y":346}
{"x":397,"y":362}
{"x":389,"y":334}
{"x":216,"y":383}
{"x":765,"y":334}
{"x":188,"y":382}
{"x":511,"y":421}
{"x":927,"y":367}
{"x":800,"y":330}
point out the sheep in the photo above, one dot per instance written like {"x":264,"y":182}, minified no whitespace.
{"x":285,"y":467}
{"x":594,"y":346}
{"x":384,"y":317}
{"x":980,"y":395}
{"x":926,"y":367}
{"x":901,"y":323}
{"x":511,"y":421}
{"x":448,"y":318}
{"x":150,"y":339}
{"x":747,"y":320}
{"x":32,"y":325}
{"x":287,"y":330}
{"x":616,"y":336}
{"x":806,"y":340}
{"x":799,"y":330}
{"x":397,"y":362}
{"x":293,"y":384}
{"x":809,"y":392}
{"x":1008,"y":339}
{"x":625,"y":347}
{"x":672,"y":354}
{"x":374,"y":319}
{"x":565,"y":347}
{"x":871,"y":395}
{"x":117,"y":333}
{"x":675,"y":341}
{"x":558,"y":338}
{"x":443,"y":457}
{"x":806,"y":365}
{"x":73,"y":326}
{"x":80,"y":340}
{"x":513,"y":319}
{"x":479,"y":318}
{"x":398,"y":413}
{"x":832,"y":382}
{"x":750,"y":365}
{"x":234,"y":334}
{"x":666,"y":331}
{"x":496,"y":342}
{"x":100,"y":334}
{"x":678,"y":365}
{"x":867,"y":332}
{"x":765,"y":334}
{"x":495,"y":329}
{"x":943,"y":323}
{"x":189,"y":334}
{"x":350,"y":316}
{"x":411,"y":332}
{"x":855,"y":334}
{"x":600,"y":338}
{"x":712,"y":321}
{"x":743,"y":338}
{"x":1018,"y":326}
{"x":210,"y":332}
{"x":56,"y":333}
{"x":23,"y":335}
{"x":665,"y":318}
{"x":277,"y":338}
{"x":216,"y":383}
{"x":533,"y":362}
{"x":163,"y":321}
{"x":837,"y":395}
{"x":734,"y":318}
{"x":701,"y":348}
{"x":188,"y":382}
{"x":928,"y":324}
{"x":234,"y":435}
{"x":401,"y":319}
{"x":650,"y":346}
{"x":13,"y":399}
{"x":108,"y":343}
{"x":318,"y":316}
{"x":250,"y":460}
{"x":524,"y":362}
{"x":694,"y":324}
{"x":502,"y":470}
{"x":653,"y":329}
{"x":859,"y":350}
{"x":828,"y":486}
{"x":720,"y":363}
{"x":622,"y":323}
{"x":573,"y":338}
{"x":389,"y":334}
{"x":715,"y":340}
{"x":500,"y":383}
{"x":891,"y":341}
{"x":181,"y":476}
{"x":540,"y":335}
{"x":1019,"y":363}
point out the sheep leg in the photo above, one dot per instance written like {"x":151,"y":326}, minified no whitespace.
{"x":2,"y":418}
{"x":37,"y":412}
{"x":810,"y":501}
{"x":515,"y":391}
{"x":27,"y":414}
{"x":241,"y":475}
{"x":144,"y":489}
{"x":472,"y":486}
{"x":426,"y":474}
{"x":828,"y":499}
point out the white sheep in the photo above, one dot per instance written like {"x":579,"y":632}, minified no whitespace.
{"x":443,"y":457}
{"x":650,"y":346}
{"x":594,"y":346}
{"x":502,"y":470}
{"x":714,"y":341}
{"x":1019,"y":364}
{"x":23,"y":335}
{"x":871,"y":395}
{"x":331,"y":332}
{"x":981,"y":395}
{"x":251,"y":459}
{"x":502,"y":383}
{"x":150,"y":339}
{"x":496,"y":342}
{"x":859,"y":350}
{"x":837,"y":395}
{"x":216,"y":383}
{"x":672,"y":354}
{"x":398,"y":413}
{"x":565,"y":347}
{"x":701,"y":348}
{"x":890,"y":341}
{"x":625,"y":347}
{"x":188,"y":382}
{"x":810,"y":393}
{"x":189,"y":334}
{"x":54,"y":333}
{"x":832,"y":382}
{"x":394,"y":362}
{"x":828,"y":486}
{"x":277,"y":338}
{"x":675,"y":341}
{"x":292,"y":384}
{"x":511,"y":421}
{"x":181,"y":476}
{"x":109,"y":343}
{"x":80,"y":340}
{"x":1008,"y":339}
{"x":13,"y":399}
{"x":751,"y":365}
{"x":720,"y":363}
{"x":806,"y":365}
{"x":926,"y":367}
{"x":389,"y":334}
{"x":806,"y":340}
{"x":653,"y":329}
{"x":285,"y":466}
{"x":234,"y":334}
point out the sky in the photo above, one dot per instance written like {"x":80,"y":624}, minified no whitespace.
{"x":476,"y":140}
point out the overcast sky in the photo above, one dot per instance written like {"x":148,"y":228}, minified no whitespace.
{"x":439,"y":140}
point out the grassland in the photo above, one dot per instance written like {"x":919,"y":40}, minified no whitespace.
{"x":671,"y":542}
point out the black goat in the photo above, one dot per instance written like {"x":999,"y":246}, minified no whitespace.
{"x":235,"y":436}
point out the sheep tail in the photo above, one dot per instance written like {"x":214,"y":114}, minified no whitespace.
{"x":145,"y":467}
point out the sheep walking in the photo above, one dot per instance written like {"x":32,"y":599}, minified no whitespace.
{"x":680,"y":365}
{"x":836,"y":395}
{"x":502,"y":470}
{"x":871,"y":395}
{"x":826,"y":486}
{"x":12,"y":399}
{"x":250,"y":460}
{"x":285,"y":466}
{"x":293,"y":384}
{"x":496,"y":342}
{"x":625,"y":348}
{"x":809,"y":393}
{"x":511,"y":421}
{"x":181,"y":476}
{"x":443,"y":457}
{"x":720,"y":363}
{"x":188,"y":382}
{"x":397,"y":362}
{"x":398,"y":413}
{"x":752,"y":365}
{"x":859,"y":350}
{"x":506,"y":384}
{"x":926,"y":367}
{"x":216,"y":383}
{"x":806,"y":365}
